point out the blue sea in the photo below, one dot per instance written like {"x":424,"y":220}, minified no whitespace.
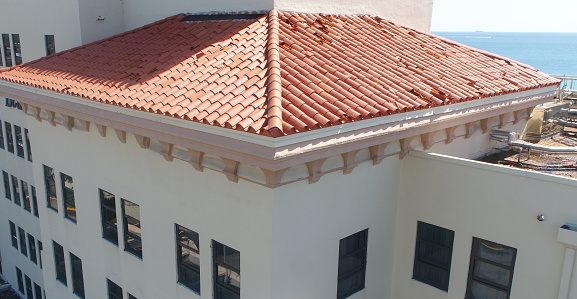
{"x":551,"y":53}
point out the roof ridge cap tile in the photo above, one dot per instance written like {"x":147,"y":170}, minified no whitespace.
{"x":274,"y":124}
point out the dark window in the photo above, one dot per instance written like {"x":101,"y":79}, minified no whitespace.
{"x":29,"y":294}
{"x":9,"y":137}
{"x":352,"y":264}
{"x":226,"y":271}
{"x":50,"y":183}
{"x":7,"y":50}
{"x":59,"y":263}
{"x":77,"y":279}
{"x":13,"y":235}
{"x":132,"y":234}
{"x":1,"y":131}
{"x":7,"y":185}
{"x":26,"y":196}
{"x":20,"y":281}
{"x":22,"y":236}
{"x":40,"y":253}
{"x":130,"y":296}
{"x":490,"y":270}
{"x":188,"y":259}
{"x":34,"y":201}
{"x":50,"y":45}
{"x":114,"y":291}
{"x":17,"y":50}
{"x":68,"y":193}
{"x":32,"y":246}
{"x":108,"y":213}
{"x":37,"y":291}
{"x":19,"y":141}
{"x":28,"y":147}
{"x":16,"y":190}
{"x":433,"y":253}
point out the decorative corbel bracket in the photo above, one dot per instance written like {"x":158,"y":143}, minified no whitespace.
{"x":84,"y":124}
{"x":101,"y":129}
{"x":485,"y":125}
{"x":166,"y":151}
{"x":143,"y":142}
{"x":349,"y":161}
{"x":529,"y":111}
{"x":121,"y":135}
{"x":517,"y":116}
{"x":68,"y":122}
{"x":428,"y":140}
{"x":450,"y":134}
{"x":231,"y":169}
{"x":315,"y":170}
{"x":502,"y":119}
{"x":51,"y":116}
{"x":377,"y":152}
{"x":273,"y":178}
{"x":405,"y":146}
{"x":470,"y":129}
{"x":196,"y":159}
{"x":34,"y":113}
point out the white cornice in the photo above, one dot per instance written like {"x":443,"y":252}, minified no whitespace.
{"x":281,"y":152}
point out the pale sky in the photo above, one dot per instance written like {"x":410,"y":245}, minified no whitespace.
{"x":505,"y":15}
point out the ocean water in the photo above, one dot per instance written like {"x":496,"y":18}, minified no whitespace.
{"x":551,"y":53}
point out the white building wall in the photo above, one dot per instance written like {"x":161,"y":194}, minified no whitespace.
{"x":34,"y":19}
{"x":20,"y":168}
{"x":235,"y":214}
{"x":415,"y":13}
{"x":310,"y":219}
{"x":100,"y":19}
{"x":491,"y":202}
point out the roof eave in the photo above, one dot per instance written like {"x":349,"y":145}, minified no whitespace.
{"x":281,"y":152}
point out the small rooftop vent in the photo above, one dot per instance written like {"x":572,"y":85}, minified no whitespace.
{"x":222,"y":17}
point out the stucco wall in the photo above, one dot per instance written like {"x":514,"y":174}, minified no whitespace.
{"x":415,"y":13}
{"x":100,"y":19}
{"x":495,"y":203}
{"x":9,"y":211}
{"x":235,"y":214}
{"x":34,"y":19}
{"x":310,"y":219}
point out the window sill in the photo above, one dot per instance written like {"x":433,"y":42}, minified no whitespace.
{"x":70,"y":219}
{"x":110,"y":242}
{"x":134,"y":255}
{"x":188,"y":288}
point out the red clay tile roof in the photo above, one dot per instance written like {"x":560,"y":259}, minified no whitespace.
{"x":279,"y":74}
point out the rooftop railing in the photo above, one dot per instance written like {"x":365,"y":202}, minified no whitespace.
{"x":567,"y":88}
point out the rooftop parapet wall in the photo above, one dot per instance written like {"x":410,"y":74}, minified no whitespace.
{"x":412,"y":13}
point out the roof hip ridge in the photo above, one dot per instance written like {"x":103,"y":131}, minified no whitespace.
{"x":274,"y":88}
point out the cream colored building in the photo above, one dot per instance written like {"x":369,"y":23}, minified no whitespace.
{"x":256,"y":216}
